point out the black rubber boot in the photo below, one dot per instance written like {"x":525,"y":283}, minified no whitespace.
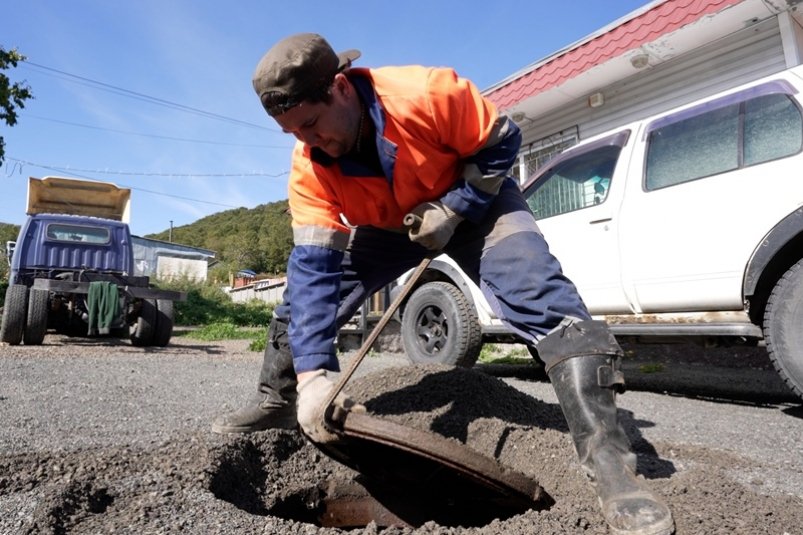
{"x":274,"y":405}
{"x":585,"y":386}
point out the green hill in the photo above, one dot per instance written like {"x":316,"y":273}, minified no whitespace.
{"x":258,"y":238}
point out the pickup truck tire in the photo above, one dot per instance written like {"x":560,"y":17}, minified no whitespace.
{"x":164,"y":322}
{"x":36,"y":325}
{"x":440,"y":326}
{"x":143,"y":329}
{"x":783,"y":327}
{"x":14,"y":314}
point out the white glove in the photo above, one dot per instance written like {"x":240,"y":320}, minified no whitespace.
{"x":438,"y":222}
{"x":313,"y":391}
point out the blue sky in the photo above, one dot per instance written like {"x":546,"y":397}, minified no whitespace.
{"x":156,"y":95}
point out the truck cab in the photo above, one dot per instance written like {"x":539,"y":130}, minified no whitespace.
{"x":72,"y":269}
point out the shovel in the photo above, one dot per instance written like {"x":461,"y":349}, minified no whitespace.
{"x":333,"y":415}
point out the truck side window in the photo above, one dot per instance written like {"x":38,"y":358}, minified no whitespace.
{"x":726,"y":138}
{"x":773,"y":129}
{"x":576,"y":183}
{"x":700,"y":146}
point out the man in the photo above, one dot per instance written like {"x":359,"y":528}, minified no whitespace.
{"x":373,"y":146}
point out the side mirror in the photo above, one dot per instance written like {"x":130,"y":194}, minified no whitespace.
{"x":10,"y":245}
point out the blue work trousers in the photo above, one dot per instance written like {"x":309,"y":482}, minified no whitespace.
{"x":505,"y":255}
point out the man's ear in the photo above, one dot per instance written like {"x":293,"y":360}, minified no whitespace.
{"x":341,"y":85}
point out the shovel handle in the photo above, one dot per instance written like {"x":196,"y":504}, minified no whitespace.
{"x":372,"y":336}
{"x":411,"y":221}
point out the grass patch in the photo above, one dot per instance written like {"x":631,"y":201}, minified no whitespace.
{"x":224,"y":331}
{"x":651,"y":368}
{"x":488,"y":353}
{"x":207,"y":304}
{"x":505,"y":354}
{"x":260,"y":343}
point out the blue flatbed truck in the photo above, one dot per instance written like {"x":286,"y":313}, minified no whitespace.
{"x":72,"y":269}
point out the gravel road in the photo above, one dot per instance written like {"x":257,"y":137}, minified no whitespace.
{"x":102,"y":437}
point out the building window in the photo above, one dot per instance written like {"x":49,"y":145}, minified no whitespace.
{"x":539,"y":152}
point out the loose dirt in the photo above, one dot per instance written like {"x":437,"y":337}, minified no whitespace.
{"x":188,"y":480}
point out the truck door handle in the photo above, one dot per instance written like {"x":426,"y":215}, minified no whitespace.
{"x":603,"y":220}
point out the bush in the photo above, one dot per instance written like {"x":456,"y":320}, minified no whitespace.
{"x":260,"y":343}
{"x":207,"y":304}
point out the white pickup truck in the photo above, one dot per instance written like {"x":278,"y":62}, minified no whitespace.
{"x":685,"y":224}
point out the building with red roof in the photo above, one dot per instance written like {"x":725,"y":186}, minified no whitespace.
{"x":665,"y":54}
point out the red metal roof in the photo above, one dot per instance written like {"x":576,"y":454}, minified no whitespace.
{"x":644,"y":28}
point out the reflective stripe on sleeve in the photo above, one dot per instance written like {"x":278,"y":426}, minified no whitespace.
{"x":320,"y":236}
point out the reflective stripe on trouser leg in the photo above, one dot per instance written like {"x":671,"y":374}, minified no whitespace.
{"x":507,"y":256}
{"x":526,"y":287}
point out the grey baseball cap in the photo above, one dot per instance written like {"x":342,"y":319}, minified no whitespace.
{"x":297,"y":68}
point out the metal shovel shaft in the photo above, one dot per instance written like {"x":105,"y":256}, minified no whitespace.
{"x":411,"y":221}
{"x":373,"y":335}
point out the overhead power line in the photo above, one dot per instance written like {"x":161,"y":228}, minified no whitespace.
{"x":135,"y":188}
{"x":155,"y":136}
{"x":145,"y":173}
{"x":147,"y":98}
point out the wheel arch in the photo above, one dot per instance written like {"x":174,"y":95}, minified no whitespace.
{"x":438,"y":270}
{"x":779,"y":250}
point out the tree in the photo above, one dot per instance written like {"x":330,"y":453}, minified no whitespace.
{"x":8,"y":233}
{"x":12,"y":96}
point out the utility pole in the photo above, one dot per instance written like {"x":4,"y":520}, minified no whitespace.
{"x":170,"y":234}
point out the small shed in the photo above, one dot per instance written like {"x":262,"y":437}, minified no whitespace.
{"x":167,"y":260}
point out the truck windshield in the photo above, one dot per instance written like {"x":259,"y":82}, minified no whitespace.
{"x":77,"y":233}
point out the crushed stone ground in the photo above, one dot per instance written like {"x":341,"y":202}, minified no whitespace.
{"x":198,"y":482}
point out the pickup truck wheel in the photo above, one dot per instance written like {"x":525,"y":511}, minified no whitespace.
{"x":142,"y":330}
{"x":439,"y":325}
{"x":783,"y":327}
{"x":164,"y":322}
{"x":36,"y":326}
{"x":14,"y":313}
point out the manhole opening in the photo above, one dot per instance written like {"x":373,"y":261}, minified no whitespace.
{"x":356,"y":503}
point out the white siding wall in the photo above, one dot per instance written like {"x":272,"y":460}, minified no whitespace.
{"x":170,"y":268}
{"x":270,"y":293}
{"x":739,"y":58}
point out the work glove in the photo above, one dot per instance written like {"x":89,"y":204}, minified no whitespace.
{"x":438,"y":222}
{"x":313,"y":390}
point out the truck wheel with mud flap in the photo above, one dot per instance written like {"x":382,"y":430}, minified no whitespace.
{"x":783,"y":327}
{"x":36,"y":325}
{"x":143,"y":329}
{"x":164,"y":322}
{"x":439,"y":325}
{"x":14,"y":314}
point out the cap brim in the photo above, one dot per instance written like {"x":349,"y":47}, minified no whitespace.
{"x":347,"y":57}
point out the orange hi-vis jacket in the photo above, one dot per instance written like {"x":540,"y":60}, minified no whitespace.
{"x":438,"y":139}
